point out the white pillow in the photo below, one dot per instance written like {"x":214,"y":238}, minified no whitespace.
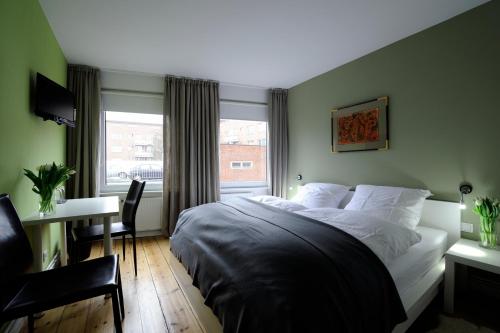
{"x":319,"y":195}
{"x":386,"y":239}
{"x":396,"y":204}
{"x":278,"y":203}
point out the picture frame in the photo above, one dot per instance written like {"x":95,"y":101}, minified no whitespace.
{"x":362,"y":126}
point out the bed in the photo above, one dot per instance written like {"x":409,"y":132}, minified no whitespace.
{"x":416,"y":275}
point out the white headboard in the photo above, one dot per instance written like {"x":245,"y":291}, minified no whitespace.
{"x":442,"y":215}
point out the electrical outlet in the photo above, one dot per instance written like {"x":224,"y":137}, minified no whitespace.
{"x":45,"y":254}
{"x":467,"y":227}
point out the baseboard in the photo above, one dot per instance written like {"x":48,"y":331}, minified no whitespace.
{"x":55,"y":262}
{"x":149,"y":233}
{"x":13,"y":326}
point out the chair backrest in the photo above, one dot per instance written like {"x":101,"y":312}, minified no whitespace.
{"x":16,"y":256}
{"x":132,"y":202}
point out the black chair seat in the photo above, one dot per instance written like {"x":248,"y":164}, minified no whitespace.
{"x":48,"y":289}
{"x":96,"y":232}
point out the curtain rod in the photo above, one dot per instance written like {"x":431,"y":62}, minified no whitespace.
{"x":242,"y":102}
{"x":160,"y":95}
{"x":131,"y":92}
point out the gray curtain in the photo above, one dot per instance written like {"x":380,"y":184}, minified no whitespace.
{"x":82,"y":144}
{"x":191,"y":139}
{"x":278,"y":139}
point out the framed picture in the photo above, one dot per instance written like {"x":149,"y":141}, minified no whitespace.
{"x":361,"y":126}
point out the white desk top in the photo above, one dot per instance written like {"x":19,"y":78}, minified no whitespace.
{"x":76,"y":209}
{"x":468,"y":252}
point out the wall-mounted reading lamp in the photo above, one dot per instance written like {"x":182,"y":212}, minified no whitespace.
{"x":464,"y":188}
{"x":298,"y":178}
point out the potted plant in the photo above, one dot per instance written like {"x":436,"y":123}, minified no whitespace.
{"x":488,"y":210}
{"x":50,"y":177}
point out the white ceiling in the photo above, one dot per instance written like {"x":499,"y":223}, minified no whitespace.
{"x":267,"y":43}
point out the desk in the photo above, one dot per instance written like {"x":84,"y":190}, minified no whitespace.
{"x":72,"y":210}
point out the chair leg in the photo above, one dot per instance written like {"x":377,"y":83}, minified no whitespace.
{"x":120,"y":294}
{"x":135,"y":253}
{"x":31,"y":323}
{"x":123,"y":246}
{"x":116,"y":312}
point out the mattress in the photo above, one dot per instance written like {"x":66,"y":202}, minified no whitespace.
{"x":409,"y":268}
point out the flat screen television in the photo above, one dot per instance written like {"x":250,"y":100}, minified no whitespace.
{"x":54,"y":102}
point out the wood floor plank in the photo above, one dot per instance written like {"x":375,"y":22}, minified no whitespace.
{"x":74,"y":317}
{"x":177,"y":312}
{"x":133,"y":321}
{"x":50,"y":321}
{"x":149,"y":304}
{"x":164,"y":245}
{"x":100,"y":315}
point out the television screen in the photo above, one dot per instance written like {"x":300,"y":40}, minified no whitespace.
{"x":54,"y":102}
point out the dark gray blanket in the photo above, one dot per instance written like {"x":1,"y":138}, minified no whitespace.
{"x":262,"y":269}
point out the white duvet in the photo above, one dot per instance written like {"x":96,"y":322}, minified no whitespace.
{"x":387,"y":240}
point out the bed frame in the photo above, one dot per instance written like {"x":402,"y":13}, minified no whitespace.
{"x":436,"y":214}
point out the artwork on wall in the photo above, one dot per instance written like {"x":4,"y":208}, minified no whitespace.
{"x":361,"y":126}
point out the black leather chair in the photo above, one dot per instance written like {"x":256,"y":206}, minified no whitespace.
{"x":126,"y":227}
{"x":23,"y":294}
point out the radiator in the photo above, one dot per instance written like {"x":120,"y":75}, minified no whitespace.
{"x":148,"y":217}
{"x":227,"y":193}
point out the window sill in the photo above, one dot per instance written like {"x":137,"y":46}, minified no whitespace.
{"x":145,"y":194}
{"x":243,"y":191}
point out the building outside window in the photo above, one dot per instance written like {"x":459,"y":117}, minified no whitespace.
{"x":243,"y":159}
{"x":133,"y":148}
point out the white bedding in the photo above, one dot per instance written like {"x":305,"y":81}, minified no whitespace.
{"x":279,"y":203}
{"x":410,"y":267}
{"x":407,"y":258}
{"x":387,"y":240}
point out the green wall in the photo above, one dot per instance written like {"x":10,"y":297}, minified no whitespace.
{"x":27,"y":46}
{"x":444,"y":118}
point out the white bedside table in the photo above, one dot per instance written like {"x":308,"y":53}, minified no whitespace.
{"x":466,"y":252}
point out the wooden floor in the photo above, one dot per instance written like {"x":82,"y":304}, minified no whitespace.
{"x":153,"y":300}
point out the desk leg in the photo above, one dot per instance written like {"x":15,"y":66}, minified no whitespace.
{"x":107,"y":241}
{"x":64,"y":245}
{"x":107,"y":236}
{"x":37,"y":256}
{"x":449,"y":286}
{"x":38,"y":249}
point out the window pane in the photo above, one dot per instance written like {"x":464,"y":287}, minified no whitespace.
{"x":243,"y":151}
{"x":134,"y":147}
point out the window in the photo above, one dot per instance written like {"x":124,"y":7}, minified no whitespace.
{"x":243,"y":153}
{"x":133,"y":148}
{"x":241,"y":164}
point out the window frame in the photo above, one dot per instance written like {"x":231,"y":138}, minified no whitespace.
{"x":251,"y":111}
{"x":116,"y":188}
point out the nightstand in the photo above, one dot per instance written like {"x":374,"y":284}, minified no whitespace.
{"x":466,"y":252}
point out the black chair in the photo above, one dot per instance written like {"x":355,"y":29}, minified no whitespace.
{"x":126,"y":227}
{"x":23,"y":294}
